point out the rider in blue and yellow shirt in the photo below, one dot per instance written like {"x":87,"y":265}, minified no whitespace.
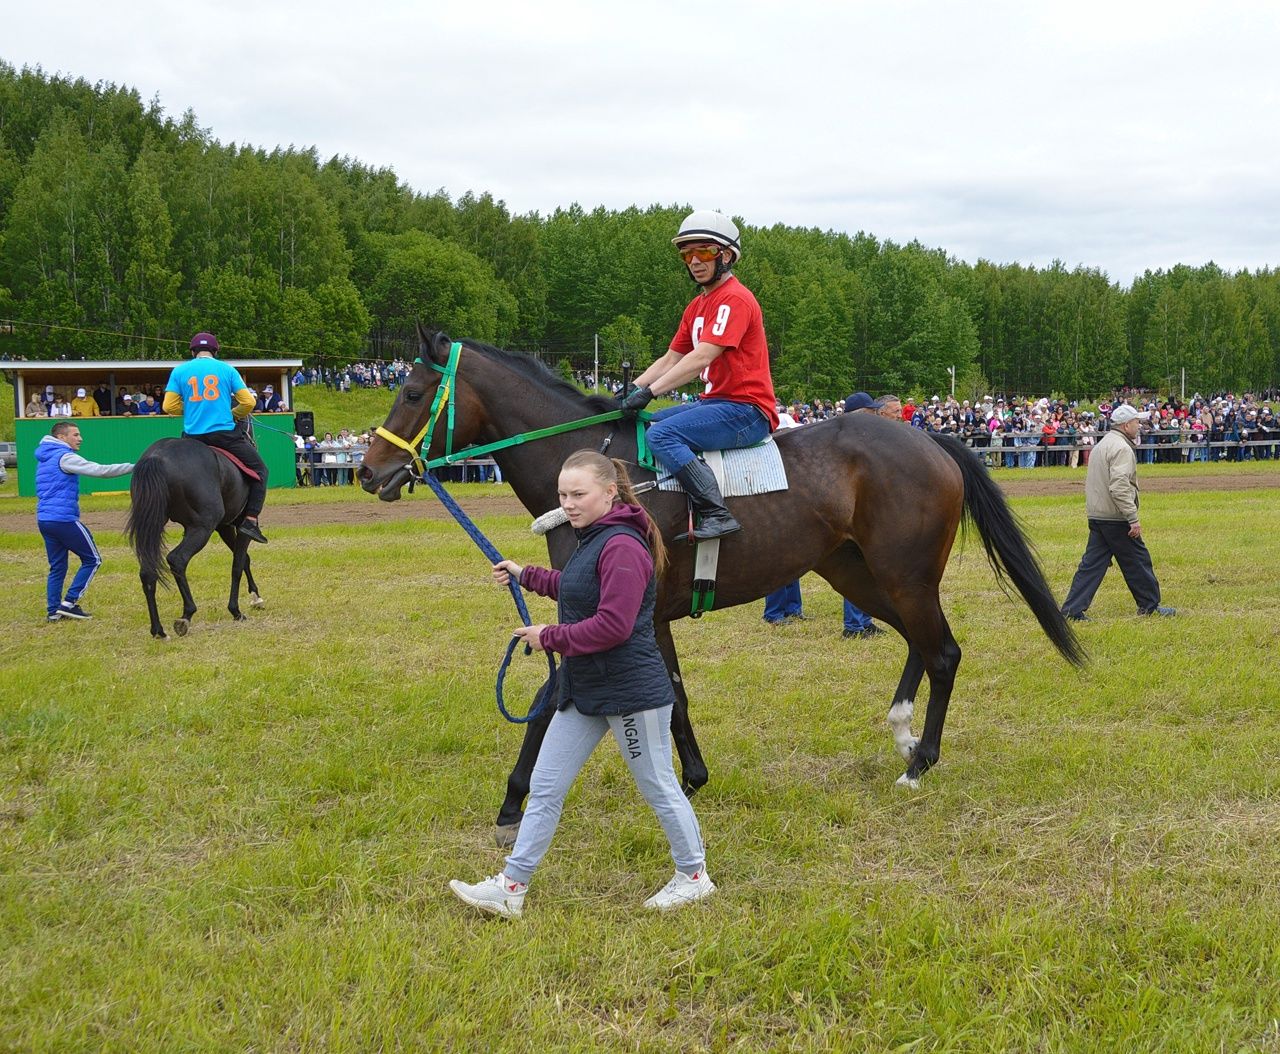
{"x":213,"y":399}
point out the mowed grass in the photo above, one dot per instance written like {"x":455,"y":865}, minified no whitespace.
{"x":241,"y":840}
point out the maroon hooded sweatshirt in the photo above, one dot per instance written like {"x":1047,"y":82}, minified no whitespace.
{"x":624,"y":568}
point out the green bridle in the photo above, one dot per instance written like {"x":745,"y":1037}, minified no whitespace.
{"x":443,"y":403}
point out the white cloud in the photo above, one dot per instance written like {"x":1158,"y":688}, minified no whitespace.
{"x":1122,"y":135}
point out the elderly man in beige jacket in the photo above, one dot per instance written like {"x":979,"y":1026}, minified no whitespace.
{"x":1111,"y":503}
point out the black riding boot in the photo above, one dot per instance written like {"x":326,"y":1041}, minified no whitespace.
{"x":249,"y":528}
{"x":700,"y":483}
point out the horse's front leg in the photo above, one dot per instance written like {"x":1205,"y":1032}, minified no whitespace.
{"x":693,"y":770}
{"x":239,"y":547}
{"x":512,"y":810}
{"x":255,"y":598}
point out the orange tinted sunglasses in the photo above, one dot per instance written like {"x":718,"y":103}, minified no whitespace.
{"x":705,"y":255}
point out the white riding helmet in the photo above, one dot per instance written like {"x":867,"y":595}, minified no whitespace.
{"x":707,"y":226}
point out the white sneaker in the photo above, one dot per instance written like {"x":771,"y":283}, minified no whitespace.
{"x":497,"y":895}
{"x":682,"y":889}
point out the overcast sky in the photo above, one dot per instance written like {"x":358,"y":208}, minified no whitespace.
{"x":1120,"y":135}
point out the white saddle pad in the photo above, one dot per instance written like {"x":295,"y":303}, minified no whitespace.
{"x":750,"y":470}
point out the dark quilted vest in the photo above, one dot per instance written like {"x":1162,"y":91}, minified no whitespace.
{"x":624,"y":679}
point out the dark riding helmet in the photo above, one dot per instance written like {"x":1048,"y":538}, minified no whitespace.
{"x":204,"y":342}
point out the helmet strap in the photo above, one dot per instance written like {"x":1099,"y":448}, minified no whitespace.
{"x":721,"y":270}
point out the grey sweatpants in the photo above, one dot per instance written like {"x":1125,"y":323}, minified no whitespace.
{"x":645,"y":741}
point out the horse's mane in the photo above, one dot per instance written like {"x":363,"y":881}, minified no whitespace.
{"x":539,"y":373}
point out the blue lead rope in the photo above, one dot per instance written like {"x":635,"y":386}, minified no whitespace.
{"x":547,"y":696}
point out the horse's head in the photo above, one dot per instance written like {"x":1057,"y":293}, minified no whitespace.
{"x":388,"y":466}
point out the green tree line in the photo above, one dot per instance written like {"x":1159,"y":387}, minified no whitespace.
{"x":123,"y":230}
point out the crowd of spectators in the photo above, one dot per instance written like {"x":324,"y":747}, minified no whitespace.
{"x":98,"y":403}
{"x":389,"y":375}
{"x":1027,"y":433}
{"x":127,"y":402}
{"x":333,"y":461}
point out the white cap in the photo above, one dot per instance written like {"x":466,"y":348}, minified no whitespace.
{"x":1124,"y":413}
{"x":79,"y":393}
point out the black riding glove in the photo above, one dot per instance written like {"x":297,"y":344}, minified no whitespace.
{"x":637,"y":401}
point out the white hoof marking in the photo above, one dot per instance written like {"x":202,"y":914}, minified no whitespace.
{"x":899,"y":719}
{"x":909,"y":782}
{"x":256,"y":601}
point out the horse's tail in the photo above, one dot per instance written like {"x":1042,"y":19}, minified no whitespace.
{"x":1008,"y":551}
{"x":148,"y":513}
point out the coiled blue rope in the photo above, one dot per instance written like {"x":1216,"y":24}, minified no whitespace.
{"x":547,"y":696}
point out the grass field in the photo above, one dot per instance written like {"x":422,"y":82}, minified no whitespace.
{"x":241,"y":840}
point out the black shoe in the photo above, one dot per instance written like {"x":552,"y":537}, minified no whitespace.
{"x":1166,"y":612}
{"x":715,"y":521}
{"x":53,"y":616}
{"x":1078,"y":617}
{"x":72,"y":611}
{"x":249,"y":528}
{"x":863,"y":634}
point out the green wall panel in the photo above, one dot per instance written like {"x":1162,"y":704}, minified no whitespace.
{"x":111,"y":439}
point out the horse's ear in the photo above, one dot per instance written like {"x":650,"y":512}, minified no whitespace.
{"x":433,"y":345}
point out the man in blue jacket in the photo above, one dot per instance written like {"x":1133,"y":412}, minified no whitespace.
{"x":58,"y":468}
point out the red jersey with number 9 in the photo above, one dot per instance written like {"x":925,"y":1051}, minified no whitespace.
{"x":730,"y":317}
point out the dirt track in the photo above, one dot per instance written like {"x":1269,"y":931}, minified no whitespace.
{"x":422,"y":506}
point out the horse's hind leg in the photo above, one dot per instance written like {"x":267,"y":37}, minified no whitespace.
{"x":149,"y":591}
{"x":239,"y":546}
{"x":933,"y":642}
{"x":193,"y":540}
{"x":693,"y":769}
{"x":847,"y":571}
{"x":902,"y":709}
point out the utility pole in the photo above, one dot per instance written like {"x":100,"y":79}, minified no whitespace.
{"x":595,"y":372}
{"x":952,"y":371}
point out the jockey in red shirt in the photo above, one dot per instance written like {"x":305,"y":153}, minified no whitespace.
{"x":720,"y":338}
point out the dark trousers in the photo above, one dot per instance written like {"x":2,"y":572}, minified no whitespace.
{"x":1107,"y":539}
{"x":236,"y":442}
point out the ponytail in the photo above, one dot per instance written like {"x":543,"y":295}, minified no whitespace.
{"x":627,"y":493}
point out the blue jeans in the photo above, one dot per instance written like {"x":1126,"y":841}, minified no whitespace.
{"x":783,"y":603}
{"x":61,"y":538}
{"x":708,"y":424}
{"x":855,"y":619}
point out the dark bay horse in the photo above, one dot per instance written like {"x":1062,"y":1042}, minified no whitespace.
{"x":185,"y":481}
{"x":872,"y":506}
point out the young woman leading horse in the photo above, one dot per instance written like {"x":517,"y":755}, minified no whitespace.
{"x":871,"y":507}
